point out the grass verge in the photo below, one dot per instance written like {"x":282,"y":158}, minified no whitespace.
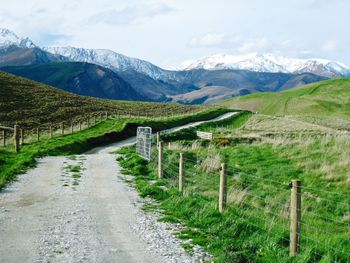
{"x":255,"y":225}
{"x":103,"y":133}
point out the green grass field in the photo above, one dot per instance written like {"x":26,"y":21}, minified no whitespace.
{"x":261,"y":164}
{"x":326,"y":98}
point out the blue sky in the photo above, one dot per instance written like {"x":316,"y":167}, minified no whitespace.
{"x":169,"y":32}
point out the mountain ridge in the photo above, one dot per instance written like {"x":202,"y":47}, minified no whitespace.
{"x":109,"y":59}
{"x":119,"y":62}
{"x":269,"y":63}
{"x":81,"y":78}
{"x":9,"y":38}
{"x":149,"y":81}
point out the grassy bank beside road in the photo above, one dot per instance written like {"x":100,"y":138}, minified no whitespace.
{"x":105,"y":132}
{"x":260,"y":167}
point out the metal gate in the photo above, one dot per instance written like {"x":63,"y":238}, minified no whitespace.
{"x":144,"y":142}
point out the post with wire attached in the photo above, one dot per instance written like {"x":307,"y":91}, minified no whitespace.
{"x":181,"y":173}
{"x":295,"y":218}
{"x":223,"y":188}
{"x":160,"y":157}
{"x":16,"y":138}
{"x":37,"y":134}
{"x":4,"y":138}
{"x":158,"y":138}
{"x":22,"y":136}
{"x":62,"y":128}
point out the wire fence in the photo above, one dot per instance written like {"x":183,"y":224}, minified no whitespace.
{"x":319,"y":222}
{"x":28,"y":134}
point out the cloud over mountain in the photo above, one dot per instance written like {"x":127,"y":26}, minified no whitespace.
{"x":134,"y":14}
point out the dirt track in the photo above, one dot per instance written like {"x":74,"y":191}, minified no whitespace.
{"x":49,"y":215}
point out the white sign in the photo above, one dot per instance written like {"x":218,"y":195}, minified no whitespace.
{"x":205,"y":135}
{"x":144,"y":142}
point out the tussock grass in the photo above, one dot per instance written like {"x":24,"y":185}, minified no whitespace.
{"x":211,"y":163}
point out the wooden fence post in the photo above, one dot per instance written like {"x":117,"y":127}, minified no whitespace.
{"x":4,"y":137}
{"x":88,"y":121}
{"x":295,"y":217}
{"x":79,"y":125}
{"x":160,"y":157}
{"x":62,"y":128}
{"x":94,"y":119}
{"x":50,"y":131}
{"x":181,"y":173}
{"x":71,"y":127}
{"x":106,"y":115}
{"x":223,"y":188}
{"x":16,"y":138}
{"x":37,"y":134}
{"x":22,"y":136}
{"x":158,"y":138}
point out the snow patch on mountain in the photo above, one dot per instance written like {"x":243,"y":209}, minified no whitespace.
{"x":268,"y":63}
{"x":8,"y":38}
{"x":108,"y":59}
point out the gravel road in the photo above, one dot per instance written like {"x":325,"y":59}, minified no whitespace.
{"x":79,"y":209}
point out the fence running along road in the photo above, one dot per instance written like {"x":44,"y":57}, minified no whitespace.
{"x":303,"y":223}
{"x":8,"y":135}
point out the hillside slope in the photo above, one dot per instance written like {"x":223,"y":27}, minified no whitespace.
{"x":30,"y":103}
{"x":79,"y":78}
{"x":330,"y":97}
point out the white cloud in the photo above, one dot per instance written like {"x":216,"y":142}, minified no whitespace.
{"x":330,"y":45}
{"x":175,"y":30}
{"x":237,"y":44}
{"x":253,"y":45}
{"x":207,"y":40}
{"x":135,"y":14}
{"x":325,"y":3}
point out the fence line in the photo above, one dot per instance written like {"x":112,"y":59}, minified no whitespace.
{"x":27,"y":135}
{"x":303,"y":222}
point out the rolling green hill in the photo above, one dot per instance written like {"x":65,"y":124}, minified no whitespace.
{"x":326,"y":98}
{"x":30,"y":104}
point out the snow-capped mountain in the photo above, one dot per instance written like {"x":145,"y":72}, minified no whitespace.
{"x":8,"y":38}
{"x":118,"y":62}
{"x":102,"y":57}
{"x":268,"y":63}
{"x":108,"y":59}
